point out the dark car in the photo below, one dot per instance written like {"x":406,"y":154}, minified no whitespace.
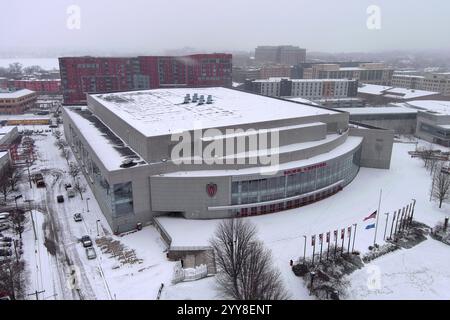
{"x":77,"y":217}
{"x":86,"y":241}
{"x":60,"y":198}
{"x":5,"y":252}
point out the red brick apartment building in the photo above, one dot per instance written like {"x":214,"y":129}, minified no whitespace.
{"x":41,"y":86}
{"x":103,"y":74}
{"x":17,"y":102}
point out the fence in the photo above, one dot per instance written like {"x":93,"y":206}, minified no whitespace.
{"x":190,"y":274}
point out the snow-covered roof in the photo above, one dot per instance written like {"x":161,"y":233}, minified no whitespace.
{"x":6,"y":129}
{"x":433,"y":106}
{"x":110,"y":149}
{"x":378,"y":110}
{"x":162,"y":111}
{"x":372,"y":89}
{"x":393,"y":92}
{"x":302,"y":100}
{"x":16,"y":94}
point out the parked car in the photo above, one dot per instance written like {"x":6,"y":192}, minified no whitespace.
{"x":4,"y":215}
{"x":90,"y":253}
{"x":5,"y":244}
{"x":40,"y":184}
{"x":60,"y":198}
{"x":77,"y":217}
{"x":6,"y":239}
{"x":67,"y":185}
{"x":86,"y":241}
{"x":5,"y":252}
{"x":70,"y":192}
{"x":4,"y":226}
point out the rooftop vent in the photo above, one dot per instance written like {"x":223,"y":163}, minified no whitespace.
{"x":195,"y":97}
{"x":127,"y":163}
{"x":202,"y":99}
{"x":209,"y":100}
{"x":187,"y":98}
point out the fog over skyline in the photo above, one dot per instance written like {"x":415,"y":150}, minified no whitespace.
{"x":154,"y":26}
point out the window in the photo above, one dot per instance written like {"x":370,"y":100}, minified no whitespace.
{"x":123,"y":198}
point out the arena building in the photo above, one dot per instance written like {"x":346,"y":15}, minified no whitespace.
{"x":128,"y":145}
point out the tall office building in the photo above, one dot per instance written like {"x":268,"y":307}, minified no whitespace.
{"x":80,"y":75}
{"x":288,"y":55}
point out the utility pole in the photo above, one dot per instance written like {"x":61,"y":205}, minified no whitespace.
{"x":87,"y":204}
{"x":376,"y":223}
{"x":98,"y":234}
{"x":328,"y":240}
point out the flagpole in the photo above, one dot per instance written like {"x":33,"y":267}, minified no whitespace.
{"x":376,"y":223}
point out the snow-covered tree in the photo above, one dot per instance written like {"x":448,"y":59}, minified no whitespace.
{"x":440,"y":187}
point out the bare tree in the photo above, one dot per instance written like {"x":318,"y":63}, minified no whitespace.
{"x":13,"y":278}
{"x":80,"y":188}
{"x":245,"y":269}
{"x":57,"y":134}
{"x":5,"y":189}
{"x":14,"y":177}
{"x":65,"y":153}
{"x":440,"y":188}
{"x":61,"y":143}
{"x":18,"y":219}
{"x":74,"y":170}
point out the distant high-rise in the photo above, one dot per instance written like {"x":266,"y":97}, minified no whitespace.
{"x":289,"y":55}
{"x":80,"y":75}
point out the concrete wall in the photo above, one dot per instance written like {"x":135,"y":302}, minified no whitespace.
{"x":376,"y":148}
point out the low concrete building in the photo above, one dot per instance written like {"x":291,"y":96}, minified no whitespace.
{"x":402,"y":120}
{"x":382,"y":95}
{"x":17,"y":102}
{"x":174,"y":151}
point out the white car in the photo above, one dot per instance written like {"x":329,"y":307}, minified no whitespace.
{"x":4,"y":215}
{"x":90,"y":253}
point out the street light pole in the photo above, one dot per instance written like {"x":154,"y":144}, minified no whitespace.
{"x":98,"y":234}
{"x":87,"y":204}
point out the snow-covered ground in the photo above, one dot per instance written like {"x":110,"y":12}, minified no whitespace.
{"x":106,"y":278}
{"x":283,"y":232}
{"x":419,"y":273}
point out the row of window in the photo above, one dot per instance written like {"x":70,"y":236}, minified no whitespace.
{"x":117,"y":198}
{"x":253,"y":191}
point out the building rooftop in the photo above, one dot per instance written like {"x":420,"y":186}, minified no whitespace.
{"x":111,"y":150}
{"x":378,"y":110}
{"x":162,"y":111}
{"x":15,"y":94}
{"x":392,"y":92}
{"x":432,"y":106}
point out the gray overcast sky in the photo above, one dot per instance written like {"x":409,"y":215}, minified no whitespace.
{"x":155,"y":25}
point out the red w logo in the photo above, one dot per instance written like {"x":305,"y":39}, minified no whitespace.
{"x":211,"y":189}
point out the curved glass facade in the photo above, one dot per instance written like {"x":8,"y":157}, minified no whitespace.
{"x":322,"y":177}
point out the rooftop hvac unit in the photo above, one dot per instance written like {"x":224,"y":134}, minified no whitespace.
{"x":202,"y":99}
{"x":194,"y":97}
{"x":209,"y":100}
{"x":187,"y":99}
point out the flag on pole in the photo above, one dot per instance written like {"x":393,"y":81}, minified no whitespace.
{"x":321,"y":238}
{"x":349,"y":231}
{"x":313,"y":240}
{"x":371,"y":216}
{"x":342,"y":233}
{"x":335,"y":235}
{"x":328,"y":237}
{"x":370,"y":226}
